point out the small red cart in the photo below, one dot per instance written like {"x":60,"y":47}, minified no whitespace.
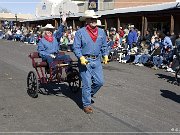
{"x":45,"y":74}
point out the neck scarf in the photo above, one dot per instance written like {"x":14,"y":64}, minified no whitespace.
{"x":49,"y":38}
{"x":93,"y":32}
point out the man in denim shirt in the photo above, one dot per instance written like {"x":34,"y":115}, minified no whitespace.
{"x":89,"y":46}
{"x":132,"y":36}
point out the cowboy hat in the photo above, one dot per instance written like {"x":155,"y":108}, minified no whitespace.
{"x":113,"y":29}
{"x":99,"y":23}
{"x":48,"y":27}
{"x":89,"y":14}
{"x":131,"y":26}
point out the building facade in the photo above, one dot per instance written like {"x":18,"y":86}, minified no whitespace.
{"x":162,"y":15}
{"x":11,"y":18}
{"x":113,"y":4}
{"x":52,"y":8}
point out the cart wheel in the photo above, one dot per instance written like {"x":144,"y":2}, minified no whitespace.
{"x":177,"y":76}
{"x":74,"y":80}
{"x":32,"y":84}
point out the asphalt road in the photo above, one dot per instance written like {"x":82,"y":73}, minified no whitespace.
{"x":134,"y":100}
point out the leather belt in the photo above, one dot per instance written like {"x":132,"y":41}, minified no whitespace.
{"x":91,"y":56}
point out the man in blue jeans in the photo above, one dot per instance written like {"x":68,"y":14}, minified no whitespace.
{"x":89,"y":46}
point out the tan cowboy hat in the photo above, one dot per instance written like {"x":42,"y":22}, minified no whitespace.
{"x":48,"y":27}
{"x":89,"y":14}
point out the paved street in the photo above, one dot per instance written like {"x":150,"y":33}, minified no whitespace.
{"x":133,"y":99}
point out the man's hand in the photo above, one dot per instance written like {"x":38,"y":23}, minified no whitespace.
{"x":83,"y":61}
{"x":105,"y":59}
{"x":52,"y":56}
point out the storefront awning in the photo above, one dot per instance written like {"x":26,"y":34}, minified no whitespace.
{"x":154,"y":7}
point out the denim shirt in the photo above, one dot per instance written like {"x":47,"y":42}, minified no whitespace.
{"x":47,"y":48}
{"x":132,"y":37}
{"x":84,"y":45}
{"x":167,"y":42}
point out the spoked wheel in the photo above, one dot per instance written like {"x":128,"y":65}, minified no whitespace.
{"x":177,"y":76}
{"x":74,"y":80}
{"x":32,"y":84}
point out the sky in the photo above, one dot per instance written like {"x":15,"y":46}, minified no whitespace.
{"x":20,"y":6}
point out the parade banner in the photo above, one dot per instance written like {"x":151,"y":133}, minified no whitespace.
{"x":93,"y":5}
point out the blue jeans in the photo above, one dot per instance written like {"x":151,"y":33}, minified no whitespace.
{"x":92,"y":79}
{"x":144,"y":58}
{"x":137,"y":57}
{"x":127,"y":57}
{"x":157,"y":60}
{"x":120,"y":40}
{"x":65,"y":58}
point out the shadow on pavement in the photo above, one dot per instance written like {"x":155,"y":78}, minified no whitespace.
{"x":171,"y":95}
{"x":60,"y":90}
{"x":168,"y":78}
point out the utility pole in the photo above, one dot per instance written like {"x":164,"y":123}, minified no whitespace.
{"x":16,"y":18}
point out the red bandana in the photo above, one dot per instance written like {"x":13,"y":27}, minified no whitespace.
{"x":49,"y":38}
{"x":93,"y":32}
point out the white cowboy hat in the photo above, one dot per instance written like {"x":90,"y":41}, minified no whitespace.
{"x":99,"y":23}
{"x":89,"y":14}
{"x":48,"y":27}
{"x":123,"y":39}
{"x":113,"y":29}
{"x":131,"y":26}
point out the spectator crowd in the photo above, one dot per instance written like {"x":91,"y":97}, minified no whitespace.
{"x":126,"y":45}
{"x":155,"y":49}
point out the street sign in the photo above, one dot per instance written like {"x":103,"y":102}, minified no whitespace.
{"x":93,"y":5}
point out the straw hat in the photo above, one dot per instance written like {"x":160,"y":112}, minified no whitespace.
{"x":89,"y":14}
{"x":48,"y":27}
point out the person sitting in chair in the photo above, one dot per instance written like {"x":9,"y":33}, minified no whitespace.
{"x":48,"y":46}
